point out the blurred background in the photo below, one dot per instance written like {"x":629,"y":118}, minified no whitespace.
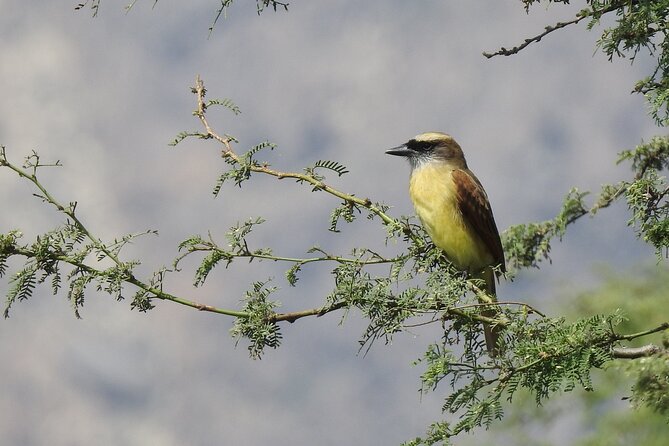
{"x":327,"y":80}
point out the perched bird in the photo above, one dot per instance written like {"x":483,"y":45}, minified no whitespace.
{"x":454,"y":210}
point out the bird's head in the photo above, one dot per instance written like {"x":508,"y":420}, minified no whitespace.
{"x":429,"y":147}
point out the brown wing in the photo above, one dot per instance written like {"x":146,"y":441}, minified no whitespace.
{"x":475,"y":207}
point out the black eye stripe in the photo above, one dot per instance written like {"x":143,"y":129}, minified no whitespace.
{"x":419,"y":146}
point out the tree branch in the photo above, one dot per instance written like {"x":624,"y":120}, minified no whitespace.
{"x":246,"y":253}
{"x":637,"y":352}
{"x":200,"y":91}
{"x":585,"y":13}
{"x":662,"y":327}
{"x":157,"y":293}
{"x":292,"y":317}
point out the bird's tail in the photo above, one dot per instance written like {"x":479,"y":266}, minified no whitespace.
{"x":490,"y":332}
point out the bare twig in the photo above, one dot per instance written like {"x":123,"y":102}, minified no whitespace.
{"x":292,"y":317}
{"x":584,"y":14}
{"x":662,"y":327}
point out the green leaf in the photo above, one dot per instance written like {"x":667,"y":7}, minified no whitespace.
{"x":331,"y":165}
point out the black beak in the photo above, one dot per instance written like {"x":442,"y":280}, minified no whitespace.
{"x":400,"y":151}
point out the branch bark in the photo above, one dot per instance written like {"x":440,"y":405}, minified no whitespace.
{"x":584,"y":14}
{"x":638,"y":352}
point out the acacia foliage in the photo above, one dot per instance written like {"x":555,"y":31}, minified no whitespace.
{"x":540,"y":354}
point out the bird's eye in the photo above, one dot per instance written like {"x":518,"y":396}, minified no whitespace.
{"x":419,"y":146}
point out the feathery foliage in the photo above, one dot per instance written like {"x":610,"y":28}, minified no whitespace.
{"x":647,"y":195}
{"x":541,"y":355}
{"x":259,"y":328}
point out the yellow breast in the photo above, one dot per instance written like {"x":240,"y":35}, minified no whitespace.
{"x":433,"y":193}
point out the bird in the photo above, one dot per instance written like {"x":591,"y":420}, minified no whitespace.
{"x":454,"y":210}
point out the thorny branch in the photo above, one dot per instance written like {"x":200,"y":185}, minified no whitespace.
{"x":584,"y":14}
{"x":228,"y":152}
